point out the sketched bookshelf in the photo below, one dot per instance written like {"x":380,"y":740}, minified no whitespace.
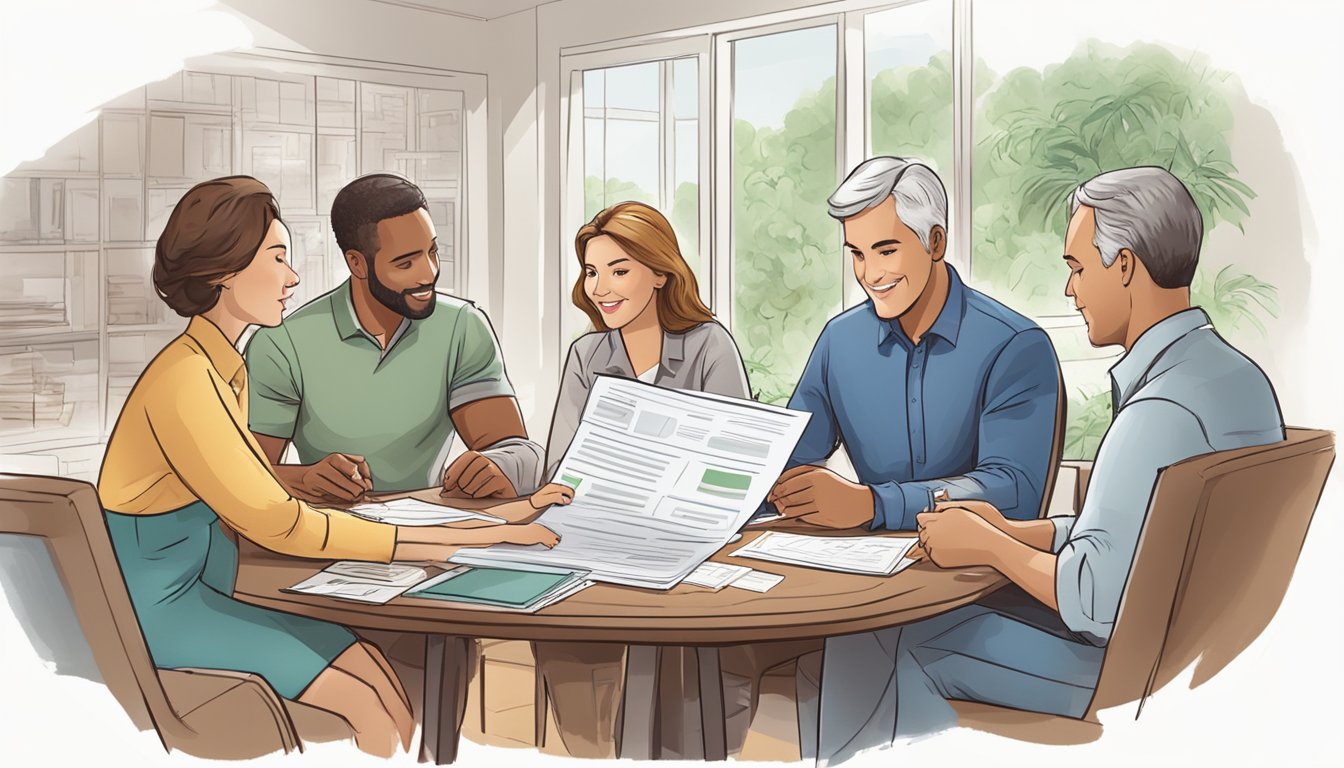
{"x":79,"y":318}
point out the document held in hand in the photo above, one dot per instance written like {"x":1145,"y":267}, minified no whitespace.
{"x":662,"y":479}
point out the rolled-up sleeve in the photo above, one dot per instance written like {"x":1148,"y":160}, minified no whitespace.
{"x":1013,"y":452}
{"x":1094,"y":560}
{"x":478,"y":365}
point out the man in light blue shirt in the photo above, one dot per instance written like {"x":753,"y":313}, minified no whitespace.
{"x":928,"y":384}
{"x":1180,"y":391}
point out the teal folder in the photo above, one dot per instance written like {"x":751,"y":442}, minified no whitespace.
{"x":497,"y":586}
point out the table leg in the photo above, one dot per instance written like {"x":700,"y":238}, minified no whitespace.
{"x":445,"y":697}
{"x":711,"y":704}
{"x":639,"y":704}
{"x":539,"y":704}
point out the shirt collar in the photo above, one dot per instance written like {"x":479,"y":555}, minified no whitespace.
{"x":947,"y":326}
{"x":221,"y":354}
{"x":618,"y":358}
{"x":347,"y":323}
{"x":343,"y":312}
{"x":1129,"y":372}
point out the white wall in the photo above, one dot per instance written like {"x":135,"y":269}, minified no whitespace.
{"x":1273,"y":705}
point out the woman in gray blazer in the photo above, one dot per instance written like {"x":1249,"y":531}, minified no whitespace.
{"x":651,"y":325}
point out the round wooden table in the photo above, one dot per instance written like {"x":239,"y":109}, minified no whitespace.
{"x":809,"y":603}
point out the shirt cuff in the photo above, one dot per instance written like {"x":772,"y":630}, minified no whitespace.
{"x":1063,"y":527}
{"x":521,"y":461}
{"x":353,"y":538}
{"x":891,"y":508}
{"x":478,"y":390}
{"x":1075,"y":596}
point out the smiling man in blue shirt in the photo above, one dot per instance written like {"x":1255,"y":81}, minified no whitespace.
{"x":1180,"y":390}
{"x":928,"y":385}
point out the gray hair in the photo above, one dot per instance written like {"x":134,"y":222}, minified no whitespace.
{"x":1150,"y":212}
{"x":921,"y":201}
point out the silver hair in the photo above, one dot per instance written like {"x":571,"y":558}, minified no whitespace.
{"x":1150,"y":212}
{"x":921,"y":201}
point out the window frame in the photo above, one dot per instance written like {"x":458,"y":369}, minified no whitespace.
{"x":572,"y":69}
{"x":712,"y":45}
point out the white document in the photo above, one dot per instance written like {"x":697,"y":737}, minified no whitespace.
{"x":364,"y":582}
{"x":662,"y":479}
{"x":716,"y":576}
{"x":880,"y":555}
{"x":758,"y":581}
{"x":416,"y":512}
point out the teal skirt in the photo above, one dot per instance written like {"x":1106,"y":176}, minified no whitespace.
{"x":180,"y":570}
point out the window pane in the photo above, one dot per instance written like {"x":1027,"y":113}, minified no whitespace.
{"x":594,"y":88}
{"x":635,"y":149}
{"x":685,"y":88}
{"x":684,"y":162}
{"x":909,"y":68}
{"x":1054,"y":110}
{"x":685,"y":209}
{"x":633,"y":87}
{"x":786,"y":255}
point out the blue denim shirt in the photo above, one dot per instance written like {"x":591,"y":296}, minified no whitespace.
{"x":1181,"y":391}
{"x":971,"y":408}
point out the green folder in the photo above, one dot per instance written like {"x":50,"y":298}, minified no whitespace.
{"x":506,"y":587}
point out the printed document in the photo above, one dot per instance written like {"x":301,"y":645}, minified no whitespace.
{"x":880,"y":555}
{"x":716,"y":576}
{"x":662,"y":479}
{"x":364,"y":582}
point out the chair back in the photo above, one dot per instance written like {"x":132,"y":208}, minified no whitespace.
{"x":1056,"y":447}
{"x":68,"y":516}
{"x":1219,"y":544}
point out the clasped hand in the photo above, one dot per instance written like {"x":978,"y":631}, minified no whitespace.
{"x":957,"y":534}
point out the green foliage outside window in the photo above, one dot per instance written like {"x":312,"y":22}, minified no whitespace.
{"x":1038,"y":134}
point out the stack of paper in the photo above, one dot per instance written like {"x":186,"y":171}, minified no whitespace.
{"x":880,"y":555}
{"x":509,"y":589}
{"x":416,"y":512}
{"x":364,"y":582}
{"x":662,"y":479}
{"x":716,"y":576}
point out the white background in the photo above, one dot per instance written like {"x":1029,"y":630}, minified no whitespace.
{"x":1277,"y":703}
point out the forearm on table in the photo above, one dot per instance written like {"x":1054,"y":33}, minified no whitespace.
{"x":432,"y":542}
{"x":1037,"y":534}
{"x":1026,"y":566}
{"x":517,"y":511}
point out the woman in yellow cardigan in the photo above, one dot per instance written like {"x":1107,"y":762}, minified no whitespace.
{"x":182,"y":467}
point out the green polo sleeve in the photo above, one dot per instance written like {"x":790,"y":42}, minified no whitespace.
{"x":275,"y":387}
{"x":477,"y":365}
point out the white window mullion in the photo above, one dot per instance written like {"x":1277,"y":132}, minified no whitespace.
{"x":722,"y":148}
{"x":704,"y":125}
{"x":963,"y":105}
{"x":667,"y":140}
{"x":851,"y":129}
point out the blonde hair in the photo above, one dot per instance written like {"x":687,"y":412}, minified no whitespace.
{"x":642,"y":232}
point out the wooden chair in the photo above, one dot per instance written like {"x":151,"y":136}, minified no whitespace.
{"x":210,"y":713}
{"x":1218,"y":548}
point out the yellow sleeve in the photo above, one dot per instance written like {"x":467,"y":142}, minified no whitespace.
{"x":208,"y":449}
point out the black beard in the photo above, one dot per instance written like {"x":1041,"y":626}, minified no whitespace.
{"x":396,"y":301}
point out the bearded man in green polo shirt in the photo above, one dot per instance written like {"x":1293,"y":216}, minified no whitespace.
{"x":371,"y":380}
